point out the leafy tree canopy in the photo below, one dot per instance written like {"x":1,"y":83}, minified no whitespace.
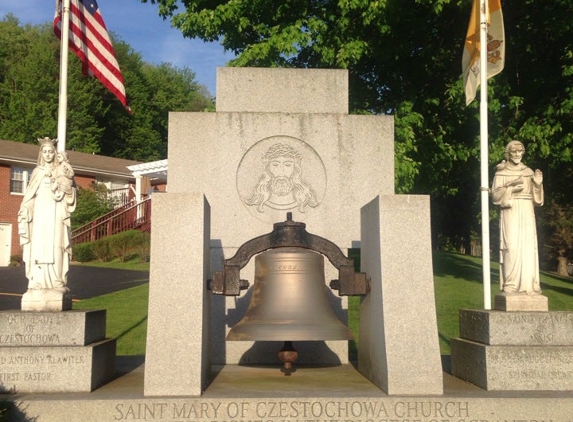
{"x":404,"y":58}
{"x":97,"y":122}
{"x":92,"y":203}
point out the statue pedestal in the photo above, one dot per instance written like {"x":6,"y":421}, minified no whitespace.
{"x":521,"y":302}
{"x":511,"y":351}
{"x":47,"y":300}
{"x":50,"y":352}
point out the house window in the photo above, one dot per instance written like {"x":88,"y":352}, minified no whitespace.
{"x":18,"y":180}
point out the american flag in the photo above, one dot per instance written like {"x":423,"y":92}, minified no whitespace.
{"x":90,"y":41}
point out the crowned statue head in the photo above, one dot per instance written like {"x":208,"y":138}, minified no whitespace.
{"x":48,"y":151}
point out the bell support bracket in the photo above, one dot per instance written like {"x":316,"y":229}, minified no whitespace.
{"x":289,"y":234}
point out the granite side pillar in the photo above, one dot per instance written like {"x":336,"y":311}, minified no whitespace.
{"x":398,"y":347}
{"x":177,"y":359}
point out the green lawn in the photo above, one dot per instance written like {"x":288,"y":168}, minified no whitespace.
{"x":458,"y":285}
{"x":126,"y":317}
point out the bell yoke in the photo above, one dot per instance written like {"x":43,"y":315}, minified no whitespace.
{"x":289,"y":234}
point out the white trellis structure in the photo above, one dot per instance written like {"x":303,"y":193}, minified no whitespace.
{"x":155,"y":170}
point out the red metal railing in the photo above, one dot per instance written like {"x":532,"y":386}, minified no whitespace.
{"x":129,"y":216}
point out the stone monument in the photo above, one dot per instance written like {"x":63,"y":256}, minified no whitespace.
{"x":47,"y":347}
{"x":232,"y":174}
{"x":520,"y":345}
{"x":281,"y":142}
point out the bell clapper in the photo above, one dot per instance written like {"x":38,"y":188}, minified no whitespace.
{"x":288,"y":355}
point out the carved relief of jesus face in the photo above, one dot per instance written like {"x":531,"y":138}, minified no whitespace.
{"x":48,"y":153}
{"x":282,"y":167}
{"x":281,"y":184}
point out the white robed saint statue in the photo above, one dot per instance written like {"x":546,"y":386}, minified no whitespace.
{"x":45,"y":231}
{"x":517,"y":190}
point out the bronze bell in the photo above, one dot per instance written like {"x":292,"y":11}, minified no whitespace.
{"x":289,"y":300}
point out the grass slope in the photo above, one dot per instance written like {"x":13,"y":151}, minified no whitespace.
{"x":126,"y":317}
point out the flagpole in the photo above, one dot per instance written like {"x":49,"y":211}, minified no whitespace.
{"x":484,"y":157}
{"x":63,"y":98}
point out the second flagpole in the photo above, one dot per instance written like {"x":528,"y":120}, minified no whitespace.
{"x":484,"y":157}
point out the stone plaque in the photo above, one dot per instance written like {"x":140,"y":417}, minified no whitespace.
{"x":70,"y":328}
{"x":517,"y":328}
{"x":57,"y":368}
{"x":533,"y":368}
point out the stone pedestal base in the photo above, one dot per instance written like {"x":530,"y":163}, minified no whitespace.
{"x":512,"y":368}
{"x":48,"y":300}
{"x":510,"y":351}
{"x":521,"y":302}
{"x":50,"y":352}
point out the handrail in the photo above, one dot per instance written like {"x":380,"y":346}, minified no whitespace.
{"x":129,"y":216}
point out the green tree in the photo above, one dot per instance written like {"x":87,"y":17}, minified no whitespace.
{"x":404,"y":58}
{"x":28,"y":89}
{"x":173,"y":89}
{"x":91,"y":204}
{"x":96,"y":122}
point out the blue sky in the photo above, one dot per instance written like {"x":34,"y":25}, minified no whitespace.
{"x":139,"y":25}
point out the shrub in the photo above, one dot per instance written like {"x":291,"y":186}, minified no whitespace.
{"x":83,"y":252}
{"x":123,"y":244}
{"x":101,"y":249}
{"x":142,"y":245}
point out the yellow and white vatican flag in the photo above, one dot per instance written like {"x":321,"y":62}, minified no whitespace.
{"x":495,"y":45}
